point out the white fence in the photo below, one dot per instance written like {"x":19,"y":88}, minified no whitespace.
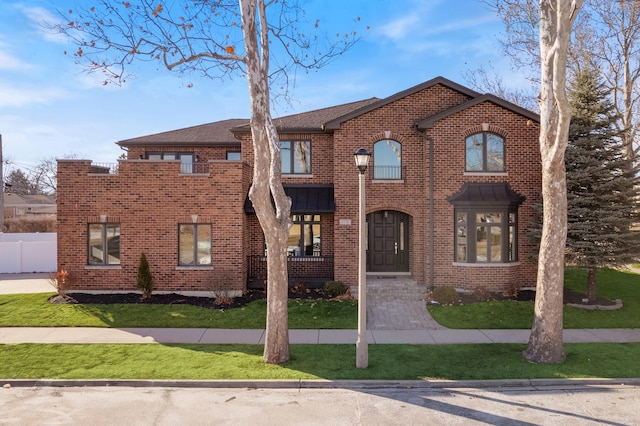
{"x":37,"y":252}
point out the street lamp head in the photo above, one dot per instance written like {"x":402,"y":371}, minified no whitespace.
{"x":362,"y":157}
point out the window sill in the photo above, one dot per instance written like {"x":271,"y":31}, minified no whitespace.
{"x":295,"y":175}
{"x":88,"y":267}
{"x":195,"y":268}
{"x":387,"y":181}
{"x":485,"y":264}
{"x":193,"y":174}
{"x":485,"y":174}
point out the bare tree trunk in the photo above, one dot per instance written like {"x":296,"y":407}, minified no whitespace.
{"x":556,"y":18}
{"x":274,"y":218}
{"x":591,"y":285}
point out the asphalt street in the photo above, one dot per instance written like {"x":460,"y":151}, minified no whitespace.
{"x":533,"y":404}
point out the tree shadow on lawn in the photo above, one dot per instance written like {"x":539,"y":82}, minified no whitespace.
{"x":405,"y":367}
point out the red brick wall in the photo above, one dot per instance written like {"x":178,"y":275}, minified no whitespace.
{"x":149,"y":200}
{"x":412,"y":195}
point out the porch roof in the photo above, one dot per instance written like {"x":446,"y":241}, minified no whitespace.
{"x":305,"y":199}
{"x":486,"y":194}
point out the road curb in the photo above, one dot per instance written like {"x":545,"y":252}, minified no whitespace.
{"x":327,"y":384}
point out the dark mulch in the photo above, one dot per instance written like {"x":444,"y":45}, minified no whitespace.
{"x":249,"y":296}
{"x":570,"y":296}
{"x":177,"y":299}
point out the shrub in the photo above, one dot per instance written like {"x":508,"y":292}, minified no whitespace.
{"x":145,"y":279}
{"x":30,"y":224}
{"x":335,"y":288}
{"x":444,"y":295}
{"x":60,"y":280}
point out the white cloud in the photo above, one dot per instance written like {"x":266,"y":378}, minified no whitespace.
{"x":42,"y":20}
{"x":11,"y":63}
{"x":13,"y":96}
{"x":400,"y":28}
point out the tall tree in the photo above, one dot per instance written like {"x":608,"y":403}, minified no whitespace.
{"x":20,"y":183}
{"x":218,"y":38}
{"x":606,"y":37}
{"x":556,"y":20}
{"x":601,"y":183}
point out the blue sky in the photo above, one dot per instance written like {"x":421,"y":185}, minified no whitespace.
{"x":49,"y":108}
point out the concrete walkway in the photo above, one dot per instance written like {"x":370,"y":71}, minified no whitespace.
{"x":12,"y":335}
{"x":426,"y":331}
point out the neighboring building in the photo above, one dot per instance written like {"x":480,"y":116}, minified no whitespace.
{"x":450,"y":192}
{"x":16,"y":205}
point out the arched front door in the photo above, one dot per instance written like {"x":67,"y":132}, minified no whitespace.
{"x":388,"y":241}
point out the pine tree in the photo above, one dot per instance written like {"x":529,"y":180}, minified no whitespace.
{"x":601,"y":184}
{"x":144,"y":279}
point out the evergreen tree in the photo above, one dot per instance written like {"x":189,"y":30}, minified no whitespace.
{"x":20,"y":183}
{"x":601,"y":184}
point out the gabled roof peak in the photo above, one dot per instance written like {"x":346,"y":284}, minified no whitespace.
{"x":335,"y":123}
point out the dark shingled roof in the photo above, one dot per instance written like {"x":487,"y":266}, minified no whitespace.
{"x":486,"y":194}
{"x":217,"y":133}
{"x":305,"y":199}
{"x":312,"y":121}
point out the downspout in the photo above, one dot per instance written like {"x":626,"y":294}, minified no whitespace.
{"x":431,"y":230}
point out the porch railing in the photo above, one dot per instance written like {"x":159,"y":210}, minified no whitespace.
{"x":311,"y":271}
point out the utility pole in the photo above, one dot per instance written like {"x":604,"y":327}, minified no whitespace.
{"x":1,"y":188}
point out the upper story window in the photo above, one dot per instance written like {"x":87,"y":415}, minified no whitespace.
{"x":485,"y":153}
{"x":104,"y":244}
{"x":296,"y":157}
{"x":387,"y":157}
{"x":234,"y":155}
{"x":186,"y":159}
{"x":194,"y":244}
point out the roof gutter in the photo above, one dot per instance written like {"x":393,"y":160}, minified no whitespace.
{"x":431,"y":227}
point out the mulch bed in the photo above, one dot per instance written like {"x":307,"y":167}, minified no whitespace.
{"x":570,"y":297}
{"x":176,"y":299}
{"x":249,"y":296}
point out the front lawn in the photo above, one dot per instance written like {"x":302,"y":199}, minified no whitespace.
{"x":612,"y":284}
{"x":331,"y":362}
{"x":34,"y":310}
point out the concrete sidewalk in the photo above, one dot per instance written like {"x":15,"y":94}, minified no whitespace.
{"x":39,"y":283}
{"x":80,"y":335}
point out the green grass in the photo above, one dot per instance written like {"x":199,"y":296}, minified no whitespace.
{"x":612,"y":284}
{"x":331,"y":362}
{"x":33,"y":310}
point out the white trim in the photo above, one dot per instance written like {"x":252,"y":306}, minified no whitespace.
{"x":387,"y":181}
{"x":487,"y":264}
{"x":297,"y":175}
{"x":485,"y":174}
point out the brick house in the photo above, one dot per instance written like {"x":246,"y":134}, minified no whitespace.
{"x":450,"y":192}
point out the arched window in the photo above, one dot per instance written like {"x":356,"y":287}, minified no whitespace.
{"x":387,"y":157}
{"x":484,"y":153}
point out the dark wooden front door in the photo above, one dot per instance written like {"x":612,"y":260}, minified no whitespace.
{"x":388,"y":242}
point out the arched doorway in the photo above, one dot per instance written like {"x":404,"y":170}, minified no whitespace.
{"x":388,"y":241}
